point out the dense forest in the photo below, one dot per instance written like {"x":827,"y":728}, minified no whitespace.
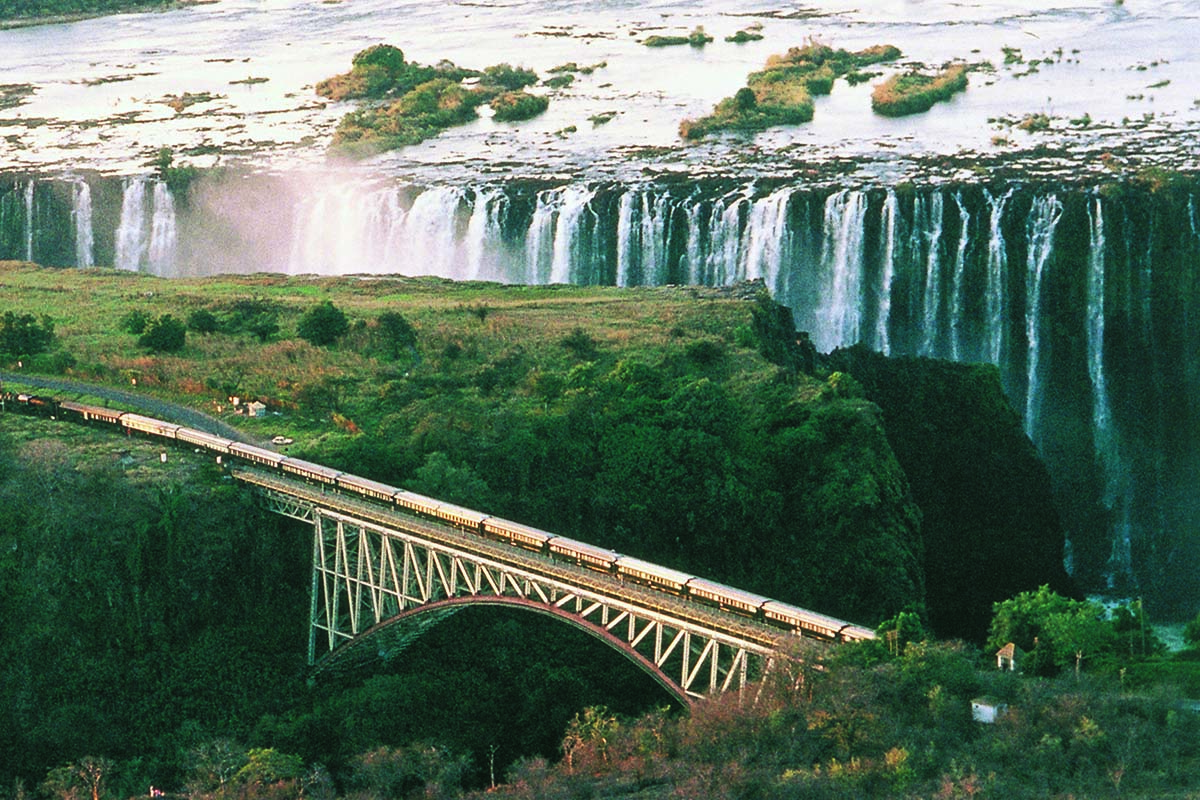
{"x":35,"y":9}
{"x":154,"y":618}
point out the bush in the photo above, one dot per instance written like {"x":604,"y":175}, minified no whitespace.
{"x":24,"y":334}
{"x":914,"y":93}
{"x":518,"y":106}
{"x":508,"y":77}
{"x":164,"y":334}
{"x":135,"y":322}
{"x":323,"y":324}
{"x":202,"y":321}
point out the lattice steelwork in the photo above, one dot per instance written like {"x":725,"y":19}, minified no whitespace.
{"x":389,"y":570}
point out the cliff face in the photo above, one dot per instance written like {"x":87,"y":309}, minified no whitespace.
{"x":990,"y":527}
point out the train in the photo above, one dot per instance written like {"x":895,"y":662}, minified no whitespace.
{"x":560,"y":548}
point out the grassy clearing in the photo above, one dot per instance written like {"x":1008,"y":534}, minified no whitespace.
{"x":781,"y":93}
{"x":463,"y":331}
{"x":915,"y":92}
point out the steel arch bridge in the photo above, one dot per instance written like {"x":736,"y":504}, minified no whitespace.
{"x":381,"y":578}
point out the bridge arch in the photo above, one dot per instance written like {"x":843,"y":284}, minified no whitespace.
{"x":376,"y":569}
{"x":437,"y":611}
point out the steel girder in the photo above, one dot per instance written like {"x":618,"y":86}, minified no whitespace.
{"x":382,"y":575}
{"x":367,"y":576}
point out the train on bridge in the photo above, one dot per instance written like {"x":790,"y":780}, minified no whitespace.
{"x":628,"y":568}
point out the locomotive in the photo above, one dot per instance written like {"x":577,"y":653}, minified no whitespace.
{"x":561,"y":548}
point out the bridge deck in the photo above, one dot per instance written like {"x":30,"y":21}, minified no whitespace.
{"x":725,"y":622}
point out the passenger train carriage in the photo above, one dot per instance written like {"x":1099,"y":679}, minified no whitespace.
{"x":627,"y":568}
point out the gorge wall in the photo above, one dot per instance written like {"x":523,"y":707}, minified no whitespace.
{"x":1086,"y":298}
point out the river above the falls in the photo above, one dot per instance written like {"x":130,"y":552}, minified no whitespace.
{"x":1109,"y":76}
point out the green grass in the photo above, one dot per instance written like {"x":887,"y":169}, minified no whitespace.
{"x":87,"y":305}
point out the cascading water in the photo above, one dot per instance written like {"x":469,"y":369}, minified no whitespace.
{"x":569,"y":251}
{"x":958,"y":282}
{"x":81,"y":219}
{"x":539,"y":239}
{"x":161,"y":250}
{"x":146,"y":236}
{"x":485,"y":237}
{"x":999,"y":276}
{"x":1043,"y":219}
{"x":131,"y":238}
{"x":842,"y":268}
{"x":997,"y":279}
{"x":890,"y":221}
{"x":30,"y":220}
{"x":1104,"y":433}
{"x":930,"y":220}
{"x":725,"y":237}
{"x":768,"y":237}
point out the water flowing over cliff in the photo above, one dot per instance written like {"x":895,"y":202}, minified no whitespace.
{"x":1087,"y":298}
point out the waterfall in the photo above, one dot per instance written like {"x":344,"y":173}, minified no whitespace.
{"x":484,"y":235}
{"x":131,"y":234}
{"x":695,"y":244}
{"x":629,"y":244}
{"x":842,"y":268}
{"x":539,"y":239}
{"x":161,"y":251}
{"x":958,"y":281}
{"x":725,"y":233}
{"x":430,"y":229}
{"x":29,"y":219}
{"x":997,"y":279}
{"x":889,"y":232}
{"x":569,"y":244}
{"x":768,"y":237}
{"x":81,"y":218}
{"x":1039,"y":231}
{"x":931,"y":209}
{"x":1104,"y":432}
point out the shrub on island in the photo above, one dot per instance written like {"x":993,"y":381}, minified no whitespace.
{"x":914,"y":92}
{"x":517,"y":106}
{"x":781,"y":93}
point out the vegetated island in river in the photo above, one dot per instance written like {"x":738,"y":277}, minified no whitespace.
{"x":410,"y":102}
{"x":781,"y":93}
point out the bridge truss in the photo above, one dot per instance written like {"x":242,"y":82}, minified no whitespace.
{"x":381,"y":578}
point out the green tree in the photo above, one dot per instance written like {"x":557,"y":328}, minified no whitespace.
{"x":164,"y":334}
{"x":202,"y":321}
{"x":1079,"y":632}
{"x":323,"y":324}
{"x":24,"y":334}
{"x":396,"y":334}
{"x":266,"y":765}
{"x":81,"y":780}
{"x":135,"y":322}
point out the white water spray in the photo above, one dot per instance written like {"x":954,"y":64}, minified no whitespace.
{"x":997,"y":279}
{"x":131,"y":231}
{"x":958,"y":280}
{"x":889,"y":229}
{"x":1039,"y":230}
{"x":931,"y":299}
{"x":840,"y":318}
{"x":81,"y":217}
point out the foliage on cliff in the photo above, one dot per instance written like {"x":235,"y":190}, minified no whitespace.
{"x":989,"y":522}
{"x":781,"y":93}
